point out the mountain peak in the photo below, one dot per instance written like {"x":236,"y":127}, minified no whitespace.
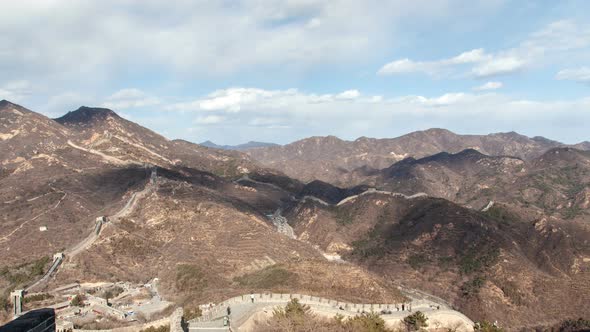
{"x":86,"y":114}
{"x":5,"y":104}
{"x":9,"y":106}
{"x":438,"y":131}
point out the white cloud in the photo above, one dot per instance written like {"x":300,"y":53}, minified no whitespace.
{"x":473,"y":56}
{"x":130,"y":98}
{"x":15,"y":90}
{"x":448,"y":99}
{"x":434,"y":67}
{"x":152,"y":35}
{"x":484,"y":64}
{"x":209,"y":119}
{"x":313,"y":23}
{"x":403,"y":66}
{"x":234,"y":100}
{"x":489,"y":86}
{"x":285,"y":115}
{"x":67,"y":101}
{"x":127,"y":94}
{"x":581,"y":74}
{"x":499,"y":66}
{"x":269,"y":107}
{"x":348,"y":94}
{"x":269,"y":123}
{"x":376,"y":99}
{"x":548,"y":45}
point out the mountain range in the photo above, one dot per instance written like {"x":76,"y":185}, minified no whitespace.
{"x":497,"y":225}
{"x":331,"y":159}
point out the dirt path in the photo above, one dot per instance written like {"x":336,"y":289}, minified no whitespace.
{"x":107,"y":158}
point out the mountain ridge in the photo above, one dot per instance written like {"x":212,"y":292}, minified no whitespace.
{"x":330,"y":159}
{"x":239,"y":147}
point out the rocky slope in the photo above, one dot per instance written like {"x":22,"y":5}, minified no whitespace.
{"x":102,"y":132}
{"x":331,"y":159}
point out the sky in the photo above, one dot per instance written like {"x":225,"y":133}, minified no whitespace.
{"x":232,"y":71}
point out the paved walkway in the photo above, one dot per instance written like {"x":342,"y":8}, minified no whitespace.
{"x":242,"y":309}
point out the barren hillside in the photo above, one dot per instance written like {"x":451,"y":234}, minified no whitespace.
{"x":493,"y":265}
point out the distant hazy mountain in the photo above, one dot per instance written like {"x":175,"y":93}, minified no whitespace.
{"x":239,"y":147}
{"x":332,"y":160}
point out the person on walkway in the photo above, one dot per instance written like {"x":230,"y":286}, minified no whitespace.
{"x":228,"y":310}
{"x":252,"y":297}
{"x":403,"y":306}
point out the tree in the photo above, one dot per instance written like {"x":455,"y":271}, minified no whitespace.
{"x":571,"y":325}
{"x":415,"y":321}
{"x":294,"y":312}
{"x":78,"y":301}
{"x":294,"y":308}
{"x":370,"y":322}
{"x":192,"y":313}
{"x":486,"y":326}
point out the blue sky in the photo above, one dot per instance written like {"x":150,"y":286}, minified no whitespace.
{"x":282,"y":70}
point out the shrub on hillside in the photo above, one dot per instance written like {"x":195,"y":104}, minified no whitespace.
{"x":294,"y":312}
{"x":416,"y":321}
{"x":486,"y":326}
{"x":190,"y":278}
{"x":502,"y":215}
{"x":267,"y":278}
{"x":37,"y":297}
{"x":471,"y":288}
{"x":418,"y":260}
{"x":78,"y":301}
{"x":297,"y":317}
{"x":344,"y":216}
{"x":574,"y":325}
{"x":367,"y":322}
{"x":192,"y":313}
{"x":478,"y":258}
{"x":163,"y":328}
{"x":24,"y":273}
